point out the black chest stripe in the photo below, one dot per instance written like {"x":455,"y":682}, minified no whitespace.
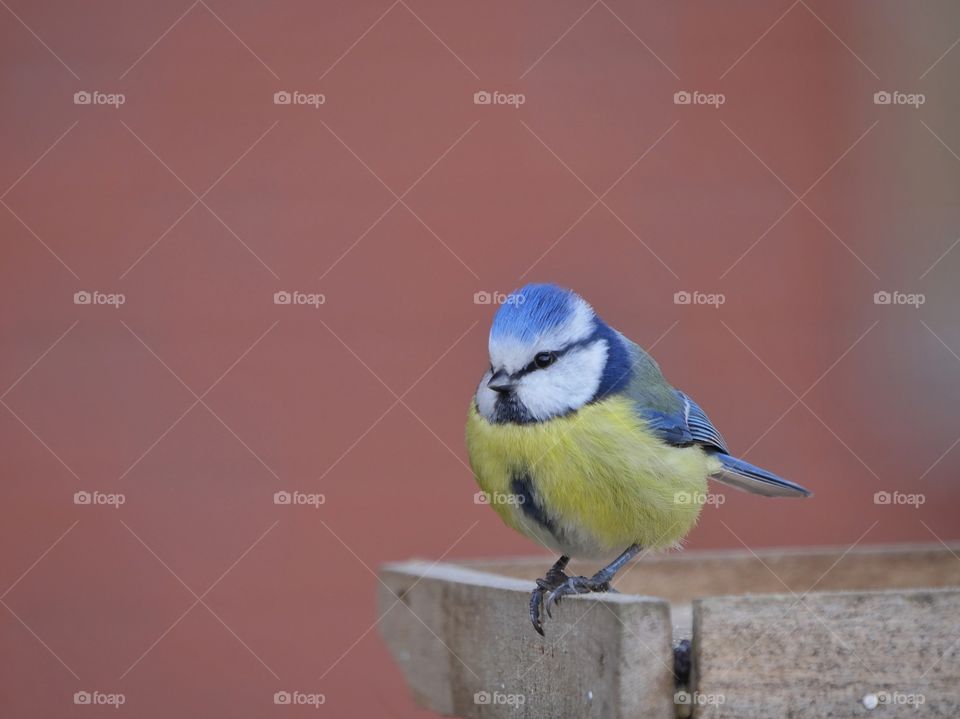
{"x":521,"y":485}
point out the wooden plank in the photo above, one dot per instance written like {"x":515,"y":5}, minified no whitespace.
{"x":466,"y":647}
{"x":821,"y":654}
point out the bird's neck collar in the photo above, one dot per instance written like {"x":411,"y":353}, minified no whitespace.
{"x":618,"y":370}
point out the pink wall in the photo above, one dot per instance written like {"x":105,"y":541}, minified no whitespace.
{"x":199,"y":398}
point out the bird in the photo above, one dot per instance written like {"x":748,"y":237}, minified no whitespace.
{"x":578,"y":442}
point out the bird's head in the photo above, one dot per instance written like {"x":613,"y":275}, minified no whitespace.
{"x":550,"y":355}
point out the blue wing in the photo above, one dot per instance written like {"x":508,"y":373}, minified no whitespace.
{"x":678,"y":420}
{"x":685,"y":425}
{"x":689,"y":424}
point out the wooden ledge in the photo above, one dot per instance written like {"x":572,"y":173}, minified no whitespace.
{"x":776,"y":633}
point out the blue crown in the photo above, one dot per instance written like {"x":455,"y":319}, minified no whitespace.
{"x":531,"y":311}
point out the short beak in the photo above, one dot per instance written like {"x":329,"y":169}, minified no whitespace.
{"x":501,"y":382}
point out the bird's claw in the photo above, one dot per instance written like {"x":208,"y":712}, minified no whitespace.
{"x":556,"y":585}
{"x":536,"y":601}
{"x":549,"y":583}
{"x":553,"y":588}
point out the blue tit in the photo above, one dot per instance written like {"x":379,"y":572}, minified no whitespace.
{"x":579,"y":443}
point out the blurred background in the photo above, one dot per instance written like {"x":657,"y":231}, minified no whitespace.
{"x":721,"y":180}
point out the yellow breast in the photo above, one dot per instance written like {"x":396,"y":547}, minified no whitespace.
{"x":591,"y":483}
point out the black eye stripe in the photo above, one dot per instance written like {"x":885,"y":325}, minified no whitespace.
{"x":557,"y":354}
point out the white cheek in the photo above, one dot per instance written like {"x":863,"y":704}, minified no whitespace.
{"x":486,"y":398}
{"x":567,"y":385}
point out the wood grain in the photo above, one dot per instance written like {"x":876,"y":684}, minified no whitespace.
{"x":819,"y":655}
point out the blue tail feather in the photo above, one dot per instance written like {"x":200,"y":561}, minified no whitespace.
{"x":750,"y":478}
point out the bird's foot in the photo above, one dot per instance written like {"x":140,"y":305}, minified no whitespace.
{"x":554,"y":578}
{"x":557,"y":585}
{"x":575,"y":585}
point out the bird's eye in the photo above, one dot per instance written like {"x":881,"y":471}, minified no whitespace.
{"x":544,"y":359}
